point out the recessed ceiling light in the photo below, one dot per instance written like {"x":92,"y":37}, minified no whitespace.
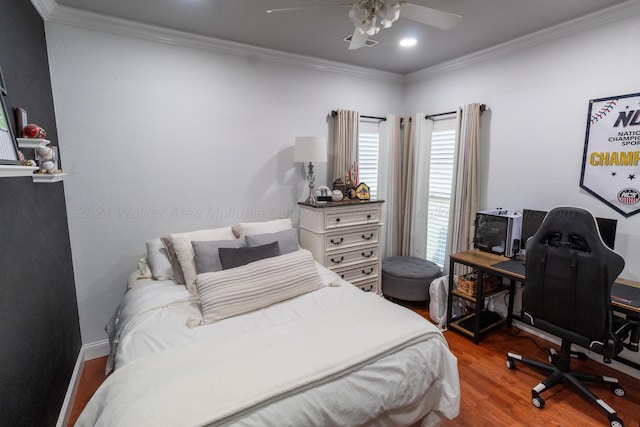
{"x":408,"y":42}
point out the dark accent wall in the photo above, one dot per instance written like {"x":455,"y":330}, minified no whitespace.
{"x":39,"y":327}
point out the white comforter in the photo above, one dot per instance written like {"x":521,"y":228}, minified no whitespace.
{"x":334,"y":357}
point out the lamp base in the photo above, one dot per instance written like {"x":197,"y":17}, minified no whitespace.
{"x":312,"y":199}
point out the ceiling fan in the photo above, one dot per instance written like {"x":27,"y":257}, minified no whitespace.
{"x":365,"y":13}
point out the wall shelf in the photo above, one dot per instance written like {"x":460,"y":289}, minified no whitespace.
{"x":46,"y":178}
{"x":32,"y":142}
{"x":16,"y":170}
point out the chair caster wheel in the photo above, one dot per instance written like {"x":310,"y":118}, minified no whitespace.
{"x":538,"y":402}
{"x":616,"y":422}
{"x":511,"y":364}
{"x":618,"y":390}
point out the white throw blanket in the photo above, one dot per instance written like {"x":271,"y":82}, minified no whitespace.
{"x":212,"y":383}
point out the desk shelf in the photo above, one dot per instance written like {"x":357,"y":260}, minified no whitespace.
{"x":457,"y":323}
{"x":485,"y":295}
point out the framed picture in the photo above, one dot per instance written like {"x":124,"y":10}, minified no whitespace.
{"x":8,"y":147}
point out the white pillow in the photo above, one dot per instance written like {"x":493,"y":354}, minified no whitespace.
{"x":256,"y":285}
{"x":245,"y":228}
{"x":159,"y":260}
{"x":184,"y":250}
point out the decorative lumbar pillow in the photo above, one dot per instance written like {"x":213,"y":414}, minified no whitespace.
{"x":158,"y":260}
{"x":256,"y":285}
{"x":207,"y":258}
{"x":173,"y":259}
{"x":184,"y":250}
{"x":232,"y":258}
{"x":245,"y":228}
{"x":287,"y":240}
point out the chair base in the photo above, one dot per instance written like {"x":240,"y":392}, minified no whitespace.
{"x":560,"y":372}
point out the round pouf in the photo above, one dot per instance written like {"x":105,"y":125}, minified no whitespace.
{"x":408,"y":278}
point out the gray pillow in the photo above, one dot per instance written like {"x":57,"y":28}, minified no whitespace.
{"x":158,"y":260}
{"x":231,"y":258}
{"x":287,"y":240}
{"x":206,"y":256}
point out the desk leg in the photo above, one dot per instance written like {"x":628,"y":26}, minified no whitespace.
{"x":479,"y":307}
{"x":449,"y":296}
{"x":512,"y":292}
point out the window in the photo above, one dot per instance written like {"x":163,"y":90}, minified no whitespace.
{"x":368,"y":144}
{"x":443,"y":140}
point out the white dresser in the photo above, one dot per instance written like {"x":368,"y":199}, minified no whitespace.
{"x":345,"y":237}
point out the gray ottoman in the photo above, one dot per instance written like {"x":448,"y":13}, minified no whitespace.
{"x":408,"y":278}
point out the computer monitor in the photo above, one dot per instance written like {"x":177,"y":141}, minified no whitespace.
{"x":607,"y":229}
{"x":532,"y":219}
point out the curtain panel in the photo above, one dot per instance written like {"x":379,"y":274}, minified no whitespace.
{"x":465,"y":194}
{"x":345,"y":143}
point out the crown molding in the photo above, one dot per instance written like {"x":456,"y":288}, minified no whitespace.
{"x":615,"y":13}
{"x":52,"y":12}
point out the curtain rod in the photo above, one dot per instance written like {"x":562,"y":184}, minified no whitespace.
{"x":382,"y":119}
{"x":483,"y":108}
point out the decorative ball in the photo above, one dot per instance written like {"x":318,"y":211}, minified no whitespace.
{"x":34,"y":131}
{"x":336,"y":195}
{"x":48,"y":166}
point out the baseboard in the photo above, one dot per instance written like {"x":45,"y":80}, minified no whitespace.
{"x":592,"y":355}
{"x":96,"y":349}
{"x":87,"y":352}
{"x":72,"y":389}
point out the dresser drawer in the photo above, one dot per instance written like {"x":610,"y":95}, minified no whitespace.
{"x":351,"y":218}
{"x":339,"y":259}
{"x":368,"y":285}
{"x":358,"y":272}
{"x":349,"y":238}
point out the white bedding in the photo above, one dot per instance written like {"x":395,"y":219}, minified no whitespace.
{"x":400,"y":378}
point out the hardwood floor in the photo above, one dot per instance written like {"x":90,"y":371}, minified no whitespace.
{"x":491,"y":394}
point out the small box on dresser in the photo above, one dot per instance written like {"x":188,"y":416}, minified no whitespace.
{"x":345,"y":237}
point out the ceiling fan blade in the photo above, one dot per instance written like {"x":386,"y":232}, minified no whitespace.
{"x":426,"y":15}
{"x":358,"y":40}
{"x":289,"y":9}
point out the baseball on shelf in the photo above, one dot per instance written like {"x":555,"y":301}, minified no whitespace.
{"x":45,"y":153}
{"x":34,"y":131}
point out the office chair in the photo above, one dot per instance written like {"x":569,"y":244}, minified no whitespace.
{"x":569,"y":272}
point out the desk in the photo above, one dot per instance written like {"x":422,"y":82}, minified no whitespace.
{"x":484,"y":262}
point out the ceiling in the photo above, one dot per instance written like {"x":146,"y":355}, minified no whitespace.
{"x":318,"y":32}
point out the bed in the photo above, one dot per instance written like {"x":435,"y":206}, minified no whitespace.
{"x":277,"y":341}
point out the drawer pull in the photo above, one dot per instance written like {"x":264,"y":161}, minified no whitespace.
{"x":369,"y":216}
{"x":338,"y":241}
{"x":368,"y":289}
{"x":338,"y":261}
{"x":367,"y":256}
{"x":367,"y":238}
{"x":366,"y":273}
{"x":337,"y":219}
{"x":342,"y":276}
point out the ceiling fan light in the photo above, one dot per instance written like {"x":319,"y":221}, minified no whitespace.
{"x":408,"y":42}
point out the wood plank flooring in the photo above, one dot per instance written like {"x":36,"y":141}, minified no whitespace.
{"x":491,"y":394}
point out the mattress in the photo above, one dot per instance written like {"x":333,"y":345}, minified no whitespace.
{"x":415,"y":380}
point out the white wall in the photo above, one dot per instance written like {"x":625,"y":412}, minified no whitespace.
{"x":534,"y":130}
{"x":158,"y":138}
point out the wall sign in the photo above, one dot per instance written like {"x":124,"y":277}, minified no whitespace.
{"x":611,"y":160}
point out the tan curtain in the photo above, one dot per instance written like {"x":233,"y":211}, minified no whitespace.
{"x":405,"y":152}
{"x":345,"y":143}
{"x":464,"y":200}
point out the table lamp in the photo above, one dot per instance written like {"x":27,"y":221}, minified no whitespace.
{"x":310,"y":149}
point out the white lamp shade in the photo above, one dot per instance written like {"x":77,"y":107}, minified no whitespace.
{"x":310,"y":149}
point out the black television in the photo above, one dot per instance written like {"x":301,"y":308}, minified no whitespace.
{"x":532,"y":219}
